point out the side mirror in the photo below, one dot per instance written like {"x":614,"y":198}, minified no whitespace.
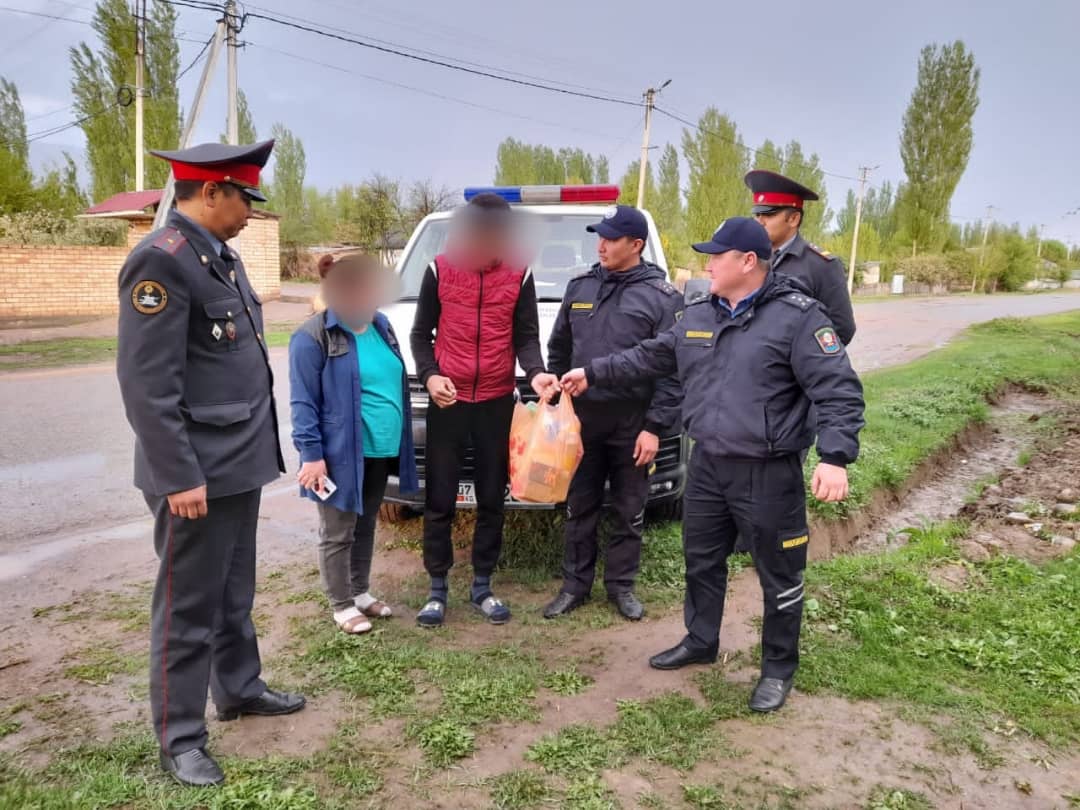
{"x":696,"y":289}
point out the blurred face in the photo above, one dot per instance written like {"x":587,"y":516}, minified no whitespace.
{"x":781,"y":224}
{"x":479,"y":247}
{"x":226,"y":210}
{"x":731,"y":274}
{"x":355,"y":290}
{"x":623,"y":253}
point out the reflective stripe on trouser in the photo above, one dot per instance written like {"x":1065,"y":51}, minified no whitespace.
{"x":765,"y":502}
{"x":201,"y":633}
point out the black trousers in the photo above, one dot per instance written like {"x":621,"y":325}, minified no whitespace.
{"x":484,"y":426}
{"x":609,"y":440}
{"x":201,"y":633}
{"x":764,"y":501}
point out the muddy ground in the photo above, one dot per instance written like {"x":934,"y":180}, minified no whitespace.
{"x":72,"y":670}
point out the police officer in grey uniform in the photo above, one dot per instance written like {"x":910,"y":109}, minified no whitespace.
{"x":621,"y":301}
{"x":778,"y":206}
{"x":195,"y":376}
{"x":751,"y":358}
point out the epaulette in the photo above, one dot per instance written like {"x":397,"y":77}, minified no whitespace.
{"x":797,"y":299}
{"x":171,"y":240}
{"x":663,"y":286}
{"x":822,"y":252}
{"x":705,"y":299}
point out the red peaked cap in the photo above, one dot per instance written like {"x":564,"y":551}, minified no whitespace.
{"x":773,"y":191}
{"x":221,"y":163}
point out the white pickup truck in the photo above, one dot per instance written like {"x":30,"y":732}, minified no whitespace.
{"x":564,"y":249}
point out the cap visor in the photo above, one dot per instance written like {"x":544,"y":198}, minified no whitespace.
{"x":604,"y":230}
{"x":253,"y":193}
{"x":712,"y":248}
{"x":767,"y":209}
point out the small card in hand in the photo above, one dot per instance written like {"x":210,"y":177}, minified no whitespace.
{"x":328,"y":488}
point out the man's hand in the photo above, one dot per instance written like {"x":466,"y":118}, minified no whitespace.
{"x":546,"y":386}
{"x":442,"y":390}
{"x":829,"y":483}
{"x":645,"y":448}
{"x":311,"y":475}
{"x":574,"y":383}
{"x":190,"y":504}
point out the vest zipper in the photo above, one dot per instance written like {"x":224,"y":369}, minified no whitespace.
{"x":479,"y":321}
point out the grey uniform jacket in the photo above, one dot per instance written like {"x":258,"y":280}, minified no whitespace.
{"x":194,"y":368}
{"x":825,"y":278}
{"x":748,"y":382}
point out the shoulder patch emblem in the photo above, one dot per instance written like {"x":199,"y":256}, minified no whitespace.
{"x":828,"y":341}
{"x":170,"y":241}
{"x":149,"y":297}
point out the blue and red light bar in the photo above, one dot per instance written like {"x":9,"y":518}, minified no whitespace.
{"x":548,"y":195}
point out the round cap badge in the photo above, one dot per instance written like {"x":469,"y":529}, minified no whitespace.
{"x":149,"y":297}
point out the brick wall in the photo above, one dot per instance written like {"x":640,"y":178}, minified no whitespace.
{"x":44,"y":281}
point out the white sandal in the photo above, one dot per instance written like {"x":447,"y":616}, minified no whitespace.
{"x":375,"y":610}
{"x":352,"y":621}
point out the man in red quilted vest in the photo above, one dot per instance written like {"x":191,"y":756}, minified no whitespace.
{"x":475,"y":320}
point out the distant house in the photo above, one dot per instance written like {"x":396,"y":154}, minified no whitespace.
{"x":389,"y":251}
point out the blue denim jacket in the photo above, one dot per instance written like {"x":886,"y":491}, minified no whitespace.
{"x":324,"y":378}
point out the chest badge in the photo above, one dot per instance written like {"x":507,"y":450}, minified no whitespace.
{"x":691,"y":335}
{"x":149,"y":297}
{"x":216,"y":332}
{"x":230,"y":330}
{"x":581,"y":305}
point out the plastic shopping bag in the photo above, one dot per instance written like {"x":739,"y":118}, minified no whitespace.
{"x":545,"y":451}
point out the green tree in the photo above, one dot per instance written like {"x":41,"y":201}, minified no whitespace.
{"x":628,"y":186}
{"x":603,"y":170}
{"x":791,"y":161}
{"x":936,"y":140}
{"x":16,"y":179}
{"x":518,"y":163}
{"x":245,"y":123}
{"x":103,"y":79}
{"x":286,"y":195}
{"x":717,"y":162}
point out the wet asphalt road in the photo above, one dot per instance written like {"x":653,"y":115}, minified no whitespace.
{"x":65,"y":456}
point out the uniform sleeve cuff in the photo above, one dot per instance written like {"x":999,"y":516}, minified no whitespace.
{"x":835,"y":461}
{"x":654,"y":428}
{"x":308,"y":454}
{"x":590,"y":374}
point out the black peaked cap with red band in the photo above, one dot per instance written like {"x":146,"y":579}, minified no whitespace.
{"x":221,"y":163}
{"x":773,"y":191}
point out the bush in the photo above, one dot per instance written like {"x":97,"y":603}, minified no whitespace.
{"x":47,"y":228}
{"x":929,"y":268}
{"x":298,"y":264}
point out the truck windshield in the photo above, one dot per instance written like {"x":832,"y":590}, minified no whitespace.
{"x":561,"y":248}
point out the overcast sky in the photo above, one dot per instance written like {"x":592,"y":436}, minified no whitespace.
{"x":835,"y":74}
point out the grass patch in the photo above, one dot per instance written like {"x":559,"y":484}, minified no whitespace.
{"x":444,"y":741}
{"x":99,"y":665}
{"x":573,"y":750}
{"x":884,"y":798}
{"x":878,"y":627}
{"x":916,"y":409}
{"x":568,"y":681}
{"x":671,"y":730}
{"x":519,"y":790}
{"x":80,"y":351}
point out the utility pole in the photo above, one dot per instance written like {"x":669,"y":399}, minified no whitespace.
{"x":233,"y":122}
{"x":193,"y":117}
{"x":139,"y":12}
{"x":650,"y":99}
{"x":863,"y":172}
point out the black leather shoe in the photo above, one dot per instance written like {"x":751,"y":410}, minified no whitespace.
{"x":628,"y":605}
{"x":269,"y":704}
{"x":562,"y":604}
{"x":680,"y":656}
{"x":769,"y":694}
{"x":195,"y":768}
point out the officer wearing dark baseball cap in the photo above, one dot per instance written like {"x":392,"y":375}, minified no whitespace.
{"x":738,"y":233}
{"x":621,"y":301}
{"x":622,"y":220}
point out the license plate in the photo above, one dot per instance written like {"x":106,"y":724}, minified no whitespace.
{"x":466,"y":494}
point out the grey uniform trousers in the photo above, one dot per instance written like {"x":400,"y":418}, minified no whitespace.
{"x":201,"y":633}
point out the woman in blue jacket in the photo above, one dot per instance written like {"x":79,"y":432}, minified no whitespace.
{"x":351,"y":424}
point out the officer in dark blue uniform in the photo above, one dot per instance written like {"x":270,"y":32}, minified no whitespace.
{"x":617,"y":304}
{"x":778,"y":206}
{"x":197,"y":387}
{"x":752,"y":359}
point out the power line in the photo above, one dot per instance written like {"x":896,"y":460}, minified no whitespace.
{"x":197,"y":59}
{"x":426,"y":92}
{"x":46,"y":16}
{"x":435,"y":55}
{"x":311,"y":29}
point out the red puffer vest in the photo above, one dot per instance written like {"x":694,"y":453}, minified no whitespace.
{"x":474,"y":344}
